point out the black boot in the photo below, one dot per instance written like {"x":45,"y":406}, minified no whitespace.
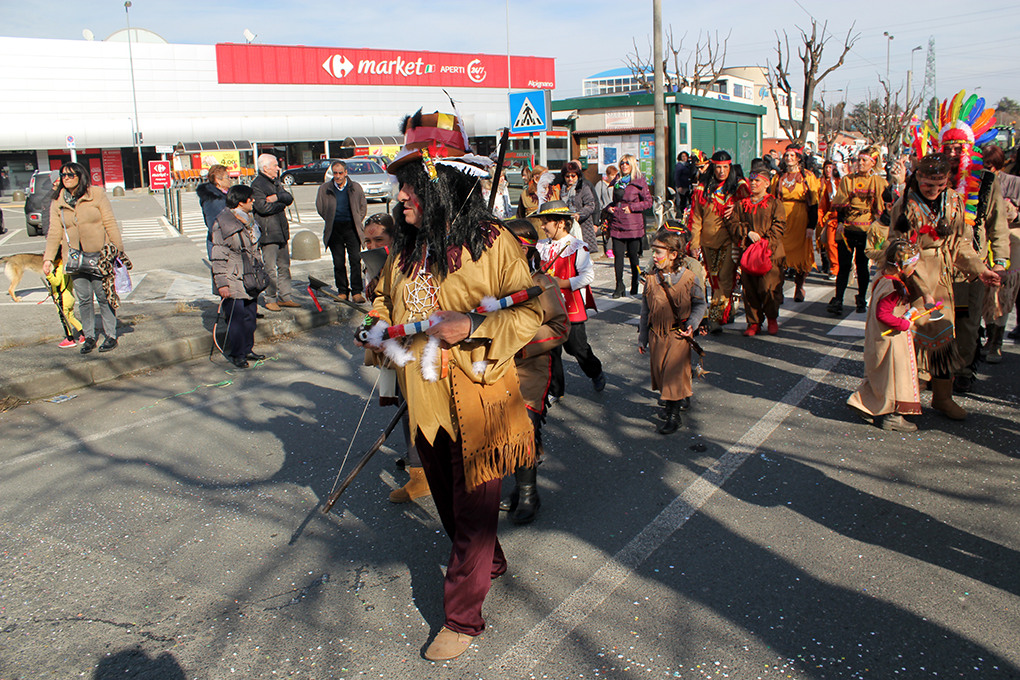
{"x":528,"y":501}
{"x":672,"y":418}
{"x":509,"y":504}
{"x":835,"y":307}
{"x":620,"y":290}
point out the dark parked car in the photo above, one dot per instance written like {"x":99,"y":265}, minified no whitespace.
{"x":37,"y":203}
{"x":314,"y":172}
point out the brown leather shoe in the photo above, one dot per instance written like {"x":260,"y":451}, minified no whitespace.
{"x":448,"y":645}
{"x":288,"y":303}
{"x":358,"y":297}
{"x":272,"y":307}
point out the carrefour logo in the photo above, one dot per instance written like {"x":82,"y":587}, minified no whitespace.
{"x":339,"y":66}
{"x":475,"y":71}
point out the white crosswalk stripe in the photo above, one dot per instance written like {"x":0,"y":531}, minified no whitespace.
{"x":144,"y":229}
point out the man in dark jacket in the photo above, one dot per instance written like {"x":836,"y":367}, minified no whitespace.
{"x":341,"y":203}
{"x":271,"y":202}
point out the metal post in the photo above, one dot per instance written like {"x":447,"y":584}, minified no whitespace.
{"x":543,"y":146}
{"x":660,"y":103}
{"x":531,"y":148}
{"x":887,"y":46}
{"x":180,"y":219}
{"x":134,"y":98}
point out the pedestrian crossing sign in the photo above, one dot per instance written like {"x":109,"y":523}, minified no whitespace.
{"x":531,"y":111}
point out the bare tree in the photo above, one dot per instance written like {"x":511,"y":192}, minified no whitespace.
{"x":695,"y":73}
{"x":883,"y":119}
{"x":830,"y":123}
{"x":778,"y":76}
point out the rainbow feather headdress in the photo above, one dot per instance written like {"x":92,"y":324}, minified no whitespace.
{"x":960,"y":120}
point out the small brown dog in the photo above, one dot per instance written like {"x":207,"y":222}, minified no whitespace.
{"x":15,"y":267}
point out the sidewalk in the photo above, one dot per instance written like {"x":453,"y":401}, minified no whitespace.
{"x":168,"y":318}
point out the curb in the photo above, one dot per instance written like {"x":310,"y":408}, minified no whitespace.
{"x":178,"y":350}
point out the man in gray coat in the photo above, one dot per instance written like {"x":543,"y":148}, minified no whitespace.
{"x":271,"y":201}
{"x":341,"y":203}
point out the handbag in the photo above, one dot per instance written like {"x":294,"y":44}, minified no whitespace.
{"x":79,"y":262}
{"x":256,"y":279}
{"x":757,"y":258}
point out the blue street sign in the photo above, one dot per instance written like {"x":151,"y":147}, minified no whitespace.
{"x":531,"y":111}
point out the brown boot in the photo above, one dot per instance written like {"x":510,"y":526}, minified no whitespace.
{"x":942,"y":399}
{"x":993,"y":348}
{"x":417,"y":487}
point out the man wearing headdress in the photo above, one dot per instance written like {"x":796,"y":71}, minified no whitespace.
{"x":712,"y":204}
{"x":931,"y":215}
{"x":990,"y":237}
{"x":466,"y":411}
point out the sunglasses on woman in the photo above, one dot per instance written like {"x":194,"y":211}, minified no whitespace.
{"x":69,"y":174}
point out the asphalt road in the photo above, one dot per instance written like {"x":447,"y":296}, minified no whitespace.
{"x":168,"y":526}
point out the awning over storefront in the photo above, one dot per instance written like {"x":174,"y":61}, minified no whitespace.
{"x":373,"y":140}
{"x":196,"y":147}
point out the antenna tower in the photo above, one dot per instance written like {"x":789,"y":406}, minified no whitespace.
{"x":928,"y":91}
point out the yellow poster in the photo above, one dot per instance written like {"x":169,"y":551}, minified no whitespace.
{"x":231,"y":159}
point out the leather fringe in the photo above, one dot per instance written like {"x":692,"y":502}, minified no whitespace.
{"x":941,"y":360}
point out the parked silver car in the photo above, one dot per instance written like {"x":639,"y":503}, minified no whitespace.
{"x":378,"y":184}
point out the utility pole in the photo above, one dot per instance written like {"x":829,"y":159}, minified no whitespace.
{"x":134,"y":97}
{"x":660,"y":103}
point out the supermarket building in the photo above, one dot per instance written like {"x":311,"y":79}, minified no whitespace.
{"x":300,"y":103}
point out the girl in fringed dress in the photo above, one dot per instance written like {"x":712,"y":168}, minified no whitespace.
{"x":890,"y":387}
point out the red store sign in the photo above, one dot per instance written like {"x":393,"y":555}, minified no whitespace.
{"x":298,"y":65}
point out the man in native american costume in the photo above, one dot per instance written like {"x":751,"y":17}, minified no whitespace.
{"x":959,"y":128}
{"x":932,"y":215}
{"x":712,"y":204}
{"x":449,"y":256}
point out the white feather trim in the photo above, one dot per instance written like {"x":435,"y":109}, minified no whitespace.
{"x":376,"y":333}
{"x":430,"y":360}
{"x":466,"y":168}
{"x":489,"y":304}
{"x":397,"y":353}
{"x":479,"y":367}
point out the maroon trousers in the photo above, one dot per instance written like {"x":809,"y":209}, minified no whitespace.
{"x":470,"y":521}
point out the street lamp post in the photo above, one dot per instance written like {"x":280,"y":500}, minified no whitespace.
{"x":134,"y":97}
{"x":910,"y":76}
{"x":887,"y":45}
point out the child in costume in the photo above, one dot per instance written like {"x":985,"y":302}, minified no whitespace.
{"x":62,"y":292}
{"x":890,"y":387}
{"x":378,"y":233}
{"x":672,"y":307}
{"x":761,"y":216}
{"x":534,"y":370}
{"x":567,"y":261}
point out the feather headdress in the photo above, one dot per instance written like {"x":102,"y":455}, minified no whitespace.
{"x":960,"y":120}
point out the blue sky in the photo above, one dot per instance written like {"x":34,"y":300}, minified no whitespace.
{"x":585,"y":37}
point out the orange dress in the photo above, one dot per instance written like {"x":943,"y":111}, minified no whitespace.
{"x":799,"y":193}
{"x":827,"y":222}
